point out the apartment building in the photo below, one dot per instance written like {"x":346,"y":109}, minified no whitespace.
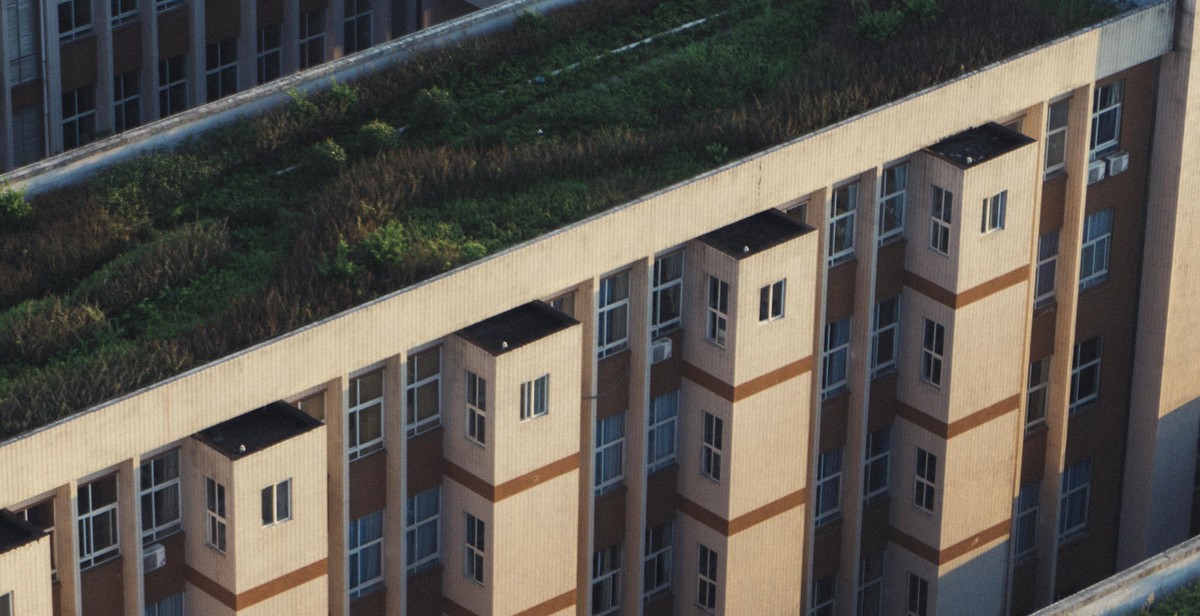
{"x":76,"y":70}
{"x":936,"y":359}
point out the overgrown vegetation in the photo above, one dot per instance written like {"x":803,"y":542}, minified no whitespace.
{"x":178,"y":258}
{"x":1183,"y":602}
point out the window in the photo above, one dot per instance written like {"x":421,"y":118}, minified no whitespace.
{"x":473,"y":556}
{"x":365,"y":549}
{"x":993,"y":212}
{"x":312,"y":38}
{"x":364,"y":416}
{"x":1047,"y":268}
{"x":918,"y":595}
{"x":172,"y":86}
{"x":27,"y":135}
{"x":79,"y":117}
{"x":870,"y":585}
{"x":1085,"y":372}
{"x":667,"y":294}
{"x":710,"y":453}
{"x":171,"y":606}
{"x":163,"y":6}
{"x":97,"y":521}
{"x":74,"y":19}
{"x":1106,"y":119}
{"x":127,"y":100}
{"x":798,"y":212}
{"x":476,"y":408}
{"x":6,"y":608}
{"x":940,"y":220}
{"x":564,"y":303}
{"x":718,"y":310}
{"x":661,"y":431}
{"x":842,"y":209}
{"x":606,"y":581}
{"x":706,"y":579}
{"x":823,"y":593}
{"x":1072,"y":510}
{"x":925,"y":485}
{"x":1035,"y":403}
{"x":878,"y":462}
{"x":770,"y":301}
{"x":357,"y":26}
{"x":160,"y":491}
{"x":610,"y":452}
{"x":423,"y":391}
{"x":893,"y":192}
{"x":214,"y":498}
{"x":656,"y":567}
{"x":836,"y":358}
{"x":269,"y":51}
{"x":41,"y":516}
{"x":277,"y":503}
{"x":535,"y":397}
{"x":421,"y":529}
{"x":21,"y":40}
{"x":933,"y":352}
{"x":1025,"y":524}
{"x":123,"y":11}
{"x":885,"y":336}
{"x":1056,"y":136}
{"x":829,"y":486}
{"x":1097,"y":238}
{"x":220,"y":69}
{"x":612,"y":317}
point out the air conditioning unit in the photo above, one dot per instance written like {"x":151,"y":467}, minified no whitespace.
{"x":1118,"y":162}
{"x":1096,"y":171}
{"x":660,"y":349}
{"x":154,"y":557}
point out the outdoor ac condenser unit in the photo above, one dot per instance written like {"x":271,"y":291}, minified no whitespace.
{"x":660,"y":349}
{"x":1118,"y":162}
{"x":154,"y":557}
{"x":1096,"y":171}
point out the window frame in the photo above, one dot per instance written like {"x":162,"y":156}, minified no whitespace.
{"x":365,"y":550}
{"x":1047,"y":269}
{"x":1107,"y":100}
{"x":843,"y":212}
{"x":127,"y":96}
{"x":162,"y":6}
{"x":220,"y":67}
{"x":712,"y":442}
{"x":877,"y":455}
{"x":414,"y":384}
{"x":272,"y":513}
{"x":716,"y":330}
{"x":22,"y":43}
{"x":886,"y":331}
{"x":892,"y":204}
{"x":418,"y":523}
{"x":121,"y":14}
{"x":1074,"y":500}
{"x":1037,"y":389}
{"x":1097,"y":238}
{"x":822,"y":595}
{"x":216,"y":534}
{"x":89,"y":555}
{"x":872,"y":584}
{"x":933,"y":352}
{"x":266,"y":56}
{"x":1025,"y":521}
{"x":706,"y":578}
{"x":836,"y":353}
{"x":352,"y":26}
{"x":1089,"y":367}
{"x":612,"y":314}
{"x":662,"y":418}
{"x":80,"y":17}
{"x":150,"y":486}
{"x":1056,"y":133}
{"x":925,"y":481}
{"x":918,"y":595}
{"x":667,"y":287}
{"x":535,"y":398}
{"x":657,"y":558}
{"x":608,"y":452}
{"x":827,"y":504}
{"x":168,"y":606}
{"x":172,"y":85}
{"x":771,"y":300}
{"x":310,"y":39}
{"x":606,"y":581}
{"x":941,"y":220}
{"x":476,"y":397}
{"x":994,"y":211}
{"x":357,"y":408}
{"x":79,"y":117}
{"x":475,"y":549}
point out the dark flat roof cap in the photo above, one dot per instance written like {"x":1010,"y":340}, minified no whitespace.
{"x":978,"y":145}
{"x":755,"y":234}
{"x":257,"y":430}
{"x":15,"y":531}
{"x":516,"y":328}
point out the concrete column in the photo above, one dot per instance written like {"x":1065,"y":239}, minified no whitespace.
{"x":635,"y":435}
{"x":148,"y":15}
{"x":818,"y":218}
{"x":395,"y":569}
{"x":104,"y":67}
{"x":381,"y":21}
{"x":585,"y":313}
{"x":339,"y":490}
{"x":130,"y":539}
{"x":289,"y":38}
{"x":197,"y":92}
{"x":248,"y":46}
{"x":67,"y":549}
{"x":6,"y":145}
{"x":51,"y":84}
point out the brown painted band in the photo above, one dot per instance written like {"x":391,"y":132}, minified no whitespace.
{"x":450,"y":608}
{"x":933,"y":556}
{"x":259,"y":593}
{"x":950,"y":299}
{"x":970,"y":422}
{"x":515,"y":486}
{"x":755,"y":385}
{"x":551,"y":606}
{"x":747,"y":520}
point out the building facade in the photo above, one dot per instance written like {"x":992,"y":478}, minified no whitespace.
{"x":936,"y":359}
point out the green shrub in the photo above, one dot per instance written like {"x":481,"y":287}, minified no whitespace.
{"x":338,"y":265}
{"x":342,"y":98}
{"x":373,"y":137}
{"x":13,"y":206}
{"x":435,"y":114}
{"x":326,"y":157}
{"x":926,"y":10}
{"x":879,"y":26}
{"x":38,"y":330}
{"x":385,"y":246}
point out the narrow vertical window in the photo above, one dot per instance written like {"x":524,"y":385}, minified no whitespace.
{"x":97,"y":522}
{"x":770,"y":301}
{"x":220,"y":69}
{"x":79,"y":117}
{"x":277,"y":502}
{"x":21,"y":42}
{"x":269,"y":52}
{"x":476,"y":408}
{"x":667,"y":294}
{"x":606,"y":581}
{"x":877,"y":464}
{"x":1035,"y":403}
{"x":1085,"y":372}
{"x":127,"y":100}
{"x":172,"y":86}
{"x":829,"y":486}
{"x":534,"y":397}
{"x":893,"y":192}
{"x":842,"y":210}
{"x":123,"y":11}
{"x":1025,"y":524}
{"x":421,"y":533}
{"x":612,"y":318}
{"x":835,"y":358}
{"x":940,"y":220}
{"x":1047,"y":269}
{"x":925,"y":485}
{"x":474,"y":550}
{"x":994,"y":210}
{"x":822,"y":596}
{"x":1056,"y":136}
{"x":1097,"y":241}
{"x":710,"y":453}
{"x":933,"y":352}
{"x":610,"y":453}
{"x":870,"y":585}
{"x":357,"y":25}
{"x":1073,"y":505}
{"x":364,"y":415}
{"x":160,"y":490}
{"x":74,"y":19}
{"x":214,"y":498}
{"x":656,"y":567}
{"x":312,"y":38}
{"x":706,"y":580}
{"x":423,"y":391}
{"x":918,"y":595}
{"x":660,"y":435}
{"x":885,"y":335}
{"x":1106,"y":119}
{"x":718,"y":310}
{"x":364,"y":549}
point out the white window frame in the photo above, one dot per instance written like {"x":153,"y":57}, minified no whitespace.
{"x":277,"y":503}
{"x":1025,"y":521}
{"x":666,"y":295}
{"x":835,"y":359}
{"x":771,"y":300}
{"x":877,"y":455}
{"x":1036,"y":392}
{"x":162,"y":6}
{"x":706,"y":579}
{"x":712,"y":438}
{"x":843,"y":208}
{"x":21,"y":40}
{"x":79,"y":117}
{"x":474,"y":549}
{"x":656,"y":559}
{"x":933,"y":352}
{"x":418,"y":421}
{"x":994,"y":210}
{"x":535,"y":398}
{"x":216,"y":520}
{"x":717,"y":323}
{"x":827,"y":505}
{"x":123,"y":11}
{"x":612,"y":314}
{"x":918,"y":595}
{"x":822,"y":593}
{"x":941,"y":220}
{"x":1047,"y":269}
{"x":1074,"y":500}
{"x":661,"y":431}
{"x":872,"y":585}
{"x":925,"y":481}
{"x":170,"y":606}
{"x":368,"y":552}
{"x":1089,"y":367}
{"x":80,"y":25}
{"x":606,"y":581}
{"x":1096,"y":248}
{"x":311,"y":37}
{"x":423,"y":517}
{"x":127,"y":96}
{"x":1057,"y":116}
{"x":1106,"y":103}
{"x":171,"y":84}
{"x":90,"y":517}
{"x":155,"y":483}
{"x":476,"y":426}
{"x":359,"y":408}
{"x":266,"y":57}
{"x":885,"y":336}
{"x":893,"y":195}
{"x":356,"y":12}
{"x":609,"y":453}
{"x":220,"y":64}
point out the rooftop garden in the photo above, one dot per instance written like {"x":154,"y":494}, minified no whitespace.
{"x":1182,"y":602}
{"x":174,"y":259}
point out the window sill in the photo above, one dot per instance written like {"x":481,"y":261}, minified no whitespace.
{"x":839,"y":261}
{"x":1099,"y":284}
{"x":361,"y":455}
{"x":890,"y":239}
{"x":1036,"y":428}
{"x":834,"y":396}
{"x":1055,"y":174}
{"x":1074,"y":538}
{"x":1050,"y":305}
{"x":878,"y":373}
{"x":426,"y":567}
